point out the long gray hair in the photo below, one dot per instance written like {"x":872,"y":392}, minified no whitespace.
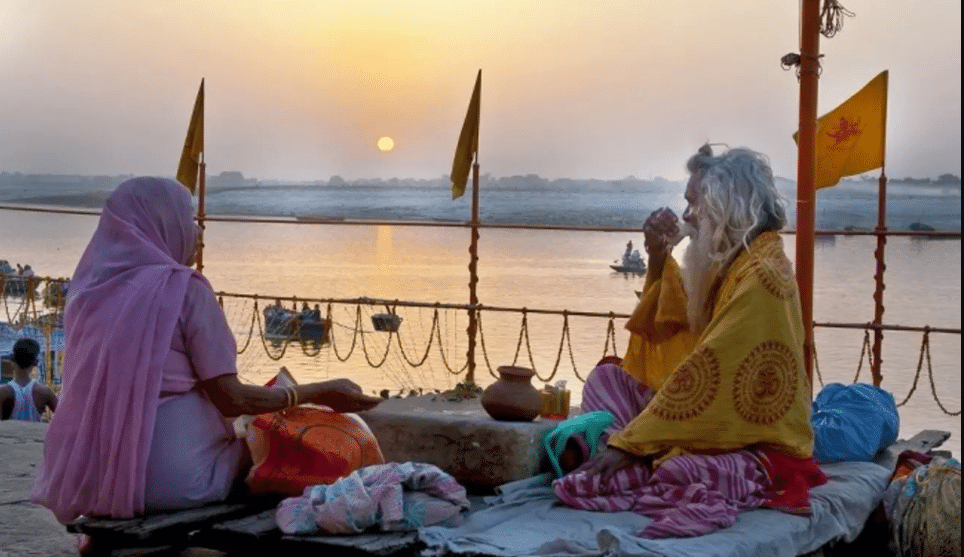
{"x":738,"y":196}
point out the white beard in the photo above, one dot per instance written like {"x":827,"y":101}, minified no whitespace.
{"x":700,"y":272}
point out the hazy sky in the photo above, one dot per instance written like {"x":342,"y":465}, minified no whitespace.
{"x":303,"y":89}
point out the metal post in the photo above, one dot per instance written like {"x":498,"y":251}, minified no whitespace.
{"x":877,"y":360}
{"x":807,"y":167}
{"x":48,"y":352}
{"x":473,"y":273}
{"x":202,"y":168}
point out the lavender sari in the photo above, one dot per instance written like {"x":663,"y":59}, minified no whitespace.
{"x":123,"y":309}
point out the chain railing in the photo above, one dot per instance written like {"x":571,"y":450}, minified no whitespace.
{"x":43,"y":313}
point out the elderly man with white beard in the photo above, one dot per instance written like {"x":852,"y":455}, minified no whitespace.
{"x":711,"y":402}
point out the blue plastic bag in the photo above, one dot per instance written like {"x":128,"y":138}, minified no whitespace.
{"x":853,"y":422}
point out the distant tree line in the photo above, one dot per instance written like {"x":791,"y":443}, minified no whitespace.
{"x":235,"y":179}
{"x":942,"y":180}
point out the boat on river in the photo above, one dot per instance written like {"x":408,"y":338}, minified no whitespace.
{"x":55,"y":293}
{"x":631,"y":262}
{"x":286,"y":325}
{"x":15,"y":282}
{"x":635,"y":269}
{"x":16,"y":285}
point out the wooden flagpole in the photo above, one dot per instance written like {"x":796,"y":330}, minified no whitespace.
{"x":473,"y":272}
{"x":202,"y":169}
{"x":807,"y":168}
{"x":875,"y":366}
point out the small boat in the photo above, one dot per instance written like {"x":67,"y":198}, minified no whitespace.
{"x":53,"y":320}
{"x":631,"y":262}
{"x":17,"y":285}
{"x":638,"y":269}
{"x":386,"y":322}
{"x":282,"y":324}
{"x":55,"y":293}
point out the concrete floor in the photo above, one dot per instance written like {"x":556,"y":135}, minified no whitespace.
{"x":29,"y":530}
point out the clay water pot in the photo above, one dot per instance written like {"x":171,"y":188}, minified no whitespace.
{"x":512,"y":398}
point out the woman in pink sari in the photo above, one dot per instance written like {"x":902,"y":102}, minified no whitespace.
{"x":149,"y":380}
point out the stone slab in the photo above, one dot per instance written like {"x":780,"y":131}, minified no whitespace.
{"x":460,"y":438}
{"x":260,"y":533}
{"x":27,"y":530}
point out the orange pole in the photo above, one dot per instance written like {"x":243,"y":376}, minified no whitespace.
{"x":807,"y":168}
{"x":473,"y":273}
{"x":877,"y":360}
{"x":202,"y":168}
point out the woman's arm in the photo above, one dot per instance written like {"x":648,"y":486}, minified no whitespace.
{"x":6,"y":402}
{"x":234,"y":398}
{"x":48,"y":397}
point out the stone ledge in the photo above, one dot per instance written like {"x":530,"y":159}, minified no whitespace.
{"x":460,"y":438}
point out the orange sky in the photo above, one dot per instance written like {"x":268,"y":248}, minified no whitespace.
{"x":302,"y":90}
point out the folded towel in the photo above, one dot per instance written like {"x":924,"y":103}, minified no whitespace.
{"x":391,"y":497}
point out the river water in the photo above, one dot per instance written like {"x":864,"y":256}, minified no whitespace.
{"x":534,"y":269}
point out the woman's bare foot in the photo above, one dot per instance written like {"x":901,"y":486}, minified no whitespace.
{"x":85,"y":546}
{"x":573,"y":455}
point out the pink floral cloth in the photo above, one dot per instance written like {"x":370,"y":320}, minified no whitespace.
{"x":387,"y":497}
{"x":122,"y":310}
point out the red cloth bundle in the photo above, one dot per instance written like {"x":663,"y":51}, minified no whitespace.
{"x":306,"y":445}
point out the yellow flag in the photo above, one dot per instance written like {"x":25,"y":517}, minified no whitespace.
{"x":468,"y":142}
{"x":187,"y":169}
{"x":852,"y":138}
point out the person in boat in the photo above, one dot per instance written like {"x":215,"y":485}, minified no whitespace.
{"x":278,"y":311}
{"x":711,"y":402}
{"x":150,"y":381}
{"x":629,"y":253}
{"x":5,"y":267}
{"x":27,"y":271}
{"x":23,"y":398}
{"x":315,"y":313}
{"x":270,"y":311}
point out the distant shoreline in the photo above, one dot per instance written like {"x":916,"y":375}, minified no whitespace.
{"x":93,"y":200}
{"x":840,"y":208}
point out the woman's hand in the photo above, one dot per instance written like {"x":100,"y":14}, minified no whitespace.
{"x":342,"y":395}
{"x":233,"y":398}
{"x":607,"y":462}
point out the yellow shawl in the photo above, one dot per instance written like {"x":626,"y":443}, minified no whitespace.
{"x":741,"y":382}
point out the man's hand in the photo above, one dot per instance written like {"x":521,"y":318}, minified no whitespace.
{"x":607,"y":462}
{"x":343,"y":395}
{"x":660,"y":228}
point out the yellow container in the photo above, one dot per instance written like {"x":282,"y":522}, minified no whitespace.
{"x":555,"y":404}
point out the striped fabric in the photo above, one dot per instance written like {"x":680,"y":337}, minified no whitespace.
{"x":689,"y":495}
{"x":610,"y":389}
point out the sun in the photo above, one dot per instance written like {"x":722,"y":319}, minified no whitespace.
{"x":386,"y":144}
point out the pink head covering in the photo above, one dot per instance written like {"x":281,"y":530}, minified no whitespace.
{"x":122,"y":309}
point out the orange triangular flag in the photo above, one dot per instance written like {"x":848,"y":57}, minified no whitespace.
{"x":468,"y":143}
{"x":187,"y":169}
{"x":851,"y":139}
